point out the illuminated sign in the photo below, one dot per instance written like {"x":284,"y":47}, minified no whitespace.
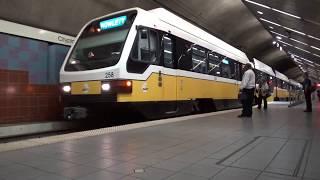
{"x":113,"y":23}
{"x":224,"y":61}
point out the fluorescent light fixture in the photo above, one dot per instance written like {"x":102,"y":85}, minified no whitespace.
{"x":286,"y":43}
{"x":274,"y":42}
{"x":278,"y":37}
{"x":258,"y":4}
{"x":262,"y":19}
{"x":293,"y":30}
{"x":259,"y":12}
{"x":316,"y":55}
{"x":315,"y":48}
{"x":288,"y":14}
{"x":314,"y":37}
{"x":302,"y":49}
{"x":304,"y":59}
{"x":280,"y":48}
{"x":279,"y":34}
{"x":271,"y":27}
{"x":298,"y":41}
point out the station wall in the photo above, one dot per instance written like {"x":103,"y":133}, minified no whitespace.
{"x":29,"y":76}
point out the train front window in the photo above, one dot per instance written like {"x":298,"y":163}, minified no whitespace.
{"x":101,"y":43}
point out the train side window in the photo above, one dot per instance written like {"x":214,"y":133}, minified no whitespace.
{"x":145,"y":47}
{"x":199,"y":57}
{"x":167,"y":51}
{"x":214,"y":64}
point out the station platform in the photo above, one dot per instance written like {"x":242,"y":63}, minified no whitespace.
{"x":280,"y":143}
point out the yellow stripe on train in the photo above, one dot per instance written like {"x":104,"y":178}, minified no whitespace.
{"x":178,"y":88}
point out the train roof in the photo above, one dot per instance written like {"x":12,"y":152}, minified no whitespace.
{"x":282,"y":76}
{"x":221,"y":46}
{"x":295,"y":83}
{"x":263,"y":67}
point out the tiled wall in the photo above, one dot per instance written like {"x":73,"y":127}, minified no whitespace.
{"x":29,"y":72}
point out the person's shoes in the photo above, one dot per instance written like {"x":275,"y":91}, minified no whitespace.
{"x":307,"y":111}
{"x":259,"y":108}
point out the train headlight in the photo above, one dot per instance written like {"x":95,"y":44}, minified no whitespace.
{"x":106,"y":87}
{"x":66,"y":88}
{"x":128,"y":83}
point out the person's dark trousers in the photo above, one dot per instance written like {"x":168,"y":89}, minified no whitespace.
{"x":247,"y":104}
{"x":265,"y":102}
{"x":307,"y":95}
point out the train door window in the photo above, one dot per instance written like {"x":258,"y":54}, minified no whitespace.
{"x":199,"y":57}
{"x":167,"y":51}
{"x":183,"y":53}
{"x":145,"y":48}
{"x":233,"y":70}
{"x":214,"y":64}
{"x":225,"y":68}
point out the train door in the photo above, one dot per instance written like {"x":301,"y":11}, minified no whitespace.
{"x":169,"y":79}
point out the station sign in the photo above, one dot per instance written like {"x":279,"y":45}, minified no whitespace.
{"x":113,"y":23}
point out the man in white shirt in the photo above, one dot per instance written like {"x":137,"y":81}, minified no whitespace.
{"x":247,"y":88}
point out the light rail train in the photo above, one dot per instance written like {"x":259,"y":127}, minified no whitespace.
{"x":152,"y":62}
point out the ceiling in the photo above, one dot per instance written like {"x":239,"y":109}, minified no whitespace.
{"x":295,"y":27}
{"x":236,"y":22}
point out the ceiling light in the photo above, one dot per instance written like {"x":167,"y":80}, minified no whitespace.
{"x":315,"y":48}
{"x":271,"y":27}
{"x":279,"y":34}
{"x":314,"y":37}
{"x":259,"y":12}
{"x":298,"y":41}
{"x":270,"y":22}
{"x":294,"y":30}
{"x":274,"y":42}
{"x":258,"y":4}
{"x":280,"y":48}
{"x":302,"y":49}
{"x":278,"y":37}
{"x":316,"y":55}
{"x":286,"y":43}
{"x":282,"y":12}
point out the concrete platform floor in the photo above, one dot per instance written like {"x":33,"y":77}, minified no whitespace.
{"x":280,"y":143}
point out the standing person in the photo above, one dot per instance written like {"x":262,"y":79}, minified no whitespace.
{"x":247,"y":87}
{"x":318,"y":93}
{"x":263,"y":93}
{"x":307,"y":85}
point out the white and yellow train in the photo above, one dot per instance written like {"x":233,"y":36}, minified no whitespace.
{"x":151,"y":61}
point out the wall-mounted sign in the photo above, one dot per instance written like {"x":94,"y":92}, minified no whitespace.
{"x":113,"y":23}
